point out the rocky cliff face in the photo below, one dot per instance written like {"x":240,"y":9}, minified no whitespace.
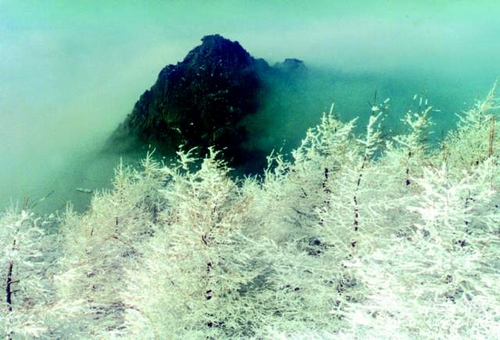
{"x":203,"y":100}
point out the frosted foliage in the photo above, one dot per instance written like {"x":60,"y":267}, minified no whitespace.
{"x":102,"y":243}
{"x":476,"y":137}
{"x":349,"y":237}
{"x":25,"y":265}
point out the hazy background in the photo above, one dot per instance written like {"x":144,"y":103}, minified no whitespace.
{"x":70,"y":71}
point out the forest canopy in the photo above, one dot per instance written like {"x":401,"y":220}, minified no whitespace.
{"x":353,"y":236}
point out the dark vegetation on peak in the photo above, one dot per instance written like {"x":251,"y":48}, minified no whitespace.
{"x":203,"y":101}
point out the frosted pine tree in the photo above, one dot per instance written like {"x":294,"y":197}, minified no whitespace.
{"x":28,"y":306}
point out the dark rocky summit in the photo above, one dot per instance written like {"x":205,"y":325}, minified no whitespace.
{"x":203,"y":100}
